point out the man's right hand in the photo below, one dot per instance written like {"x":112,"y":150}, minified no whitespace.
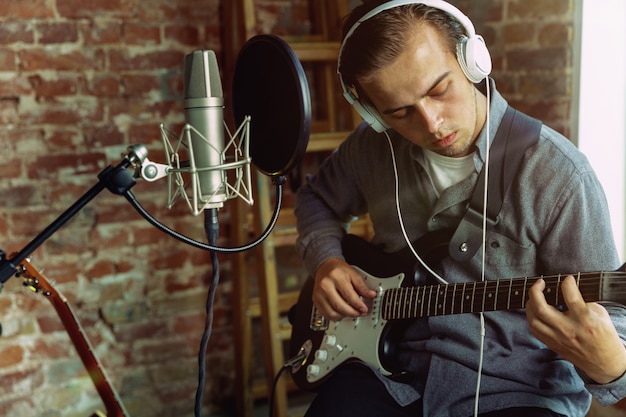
{"x":338,"y":290}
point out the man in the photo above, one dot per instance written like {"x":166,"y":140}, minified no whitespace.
{"x":430,"y":128}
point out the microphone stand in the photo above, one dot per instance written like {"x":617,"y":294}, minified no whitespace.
{"x":116,"y":179}
{"x":119,"y":180}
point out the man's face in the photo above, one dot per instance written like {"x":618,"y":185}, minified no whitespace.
{"x":424,"y":96}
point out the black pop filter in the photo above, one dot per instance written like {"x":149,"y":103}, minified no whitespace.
{"x":270,"y":86}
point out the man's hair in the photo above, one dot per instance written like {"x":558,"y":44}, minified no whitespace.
{"x":378,"y":41}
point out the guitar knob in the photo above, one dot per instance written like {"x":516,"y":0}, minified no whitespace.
{"x":313,"y":370}
{"x":321,"y":355}
{"x":330,"y":340}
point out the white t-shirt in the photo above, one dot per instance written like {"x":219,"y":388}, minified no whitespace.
{"x":445,"y":171}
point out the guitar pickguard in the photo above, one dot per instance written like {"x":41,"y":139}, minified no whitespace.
{"x":353,"y":338}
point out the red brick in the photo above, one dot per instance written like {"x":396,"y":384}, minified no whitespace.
{"x":26,"y":9}
{"x":183,"y":34}
{"x":127,"y":333}
{"x":141,"y":34}
{"x":64,"y":113}
{"x":538,"y":59}
{"x":21,"y":195}
{"x":122,"y":60}
{"x":57,"y":32}
{"x":90,"y":8}
{"x":538,"y":9}
{"x":11,"y":355}
{"x":61,"y":86}
{"x":51,"y":349}
{"x":138,"y":84}
{"x":63,"y":137}
{"x":33,"y":59}
{"x":49,"y":166}
{"x":16,"y":31}
{"x":100,"y":269}
{"x":104,"y":136}
{"x":9,"y":112}
{"x":11,"y":168}
{"x":101,"y":33}
{"x":104,"y":86}
{"x":16,"y":86}
{"x":555,"y":34}
{"x":8,"y":60}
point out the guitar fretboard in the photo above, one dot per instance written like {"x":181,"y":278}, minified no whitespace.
{"x":484,"y":296}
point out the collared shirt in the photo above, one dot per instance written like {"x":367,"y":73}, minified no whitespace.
{"x":554,"y":220}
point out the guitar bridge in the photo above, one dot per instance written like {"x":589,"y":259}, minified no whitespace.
{"x":318,"y":322}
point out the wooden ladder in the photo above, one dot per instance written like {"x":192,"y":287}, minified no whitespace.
{"x":332,"y":120}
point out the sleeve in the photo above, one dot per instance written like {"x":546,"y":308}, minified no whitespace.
{"x":581,"y":239}
{"x":328,"y":202}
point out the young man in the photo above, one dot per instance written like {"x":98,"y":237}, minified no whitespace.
{"x":431,"y":123}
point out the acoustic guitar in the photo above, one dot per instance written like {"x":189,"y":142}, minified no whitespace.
{"x":39,"y":284}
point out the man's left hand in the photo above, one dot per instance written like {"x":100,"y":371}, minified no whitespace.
{"x":583,"y":335}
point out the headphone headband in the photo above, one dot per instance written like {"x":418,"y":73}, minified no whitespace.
{"x":472,"y":54}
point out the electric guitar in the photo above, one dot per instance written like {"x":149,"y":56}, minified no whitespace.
{"x":327,"y":344}
{"x":38,"y":283}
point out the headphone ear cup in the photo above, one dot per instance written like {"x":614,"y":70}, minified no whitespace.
{"x":370,"y":115}
{"x":474,"y":58}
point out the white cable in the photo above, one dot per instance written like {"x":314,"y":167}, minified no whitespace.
{"x":484,"y":237}
{"x":397,"y":196}
{"x":483,"y":254}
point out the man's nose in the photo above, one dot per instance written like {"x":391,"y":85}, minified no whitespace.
{"x":431,"y":115}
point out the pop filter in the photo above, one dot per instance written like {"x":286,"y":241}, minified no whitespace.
{"x":270,"y":86}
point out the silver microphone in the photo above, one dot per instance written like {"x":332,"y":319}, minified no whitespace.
{"x":204,"y":115}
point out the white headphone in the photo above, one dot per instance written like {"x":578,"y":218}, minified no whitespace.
{"x":471,"y":52}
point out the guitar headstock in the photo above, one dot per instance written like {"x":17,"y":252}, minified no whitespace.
{"x":33,"y":278}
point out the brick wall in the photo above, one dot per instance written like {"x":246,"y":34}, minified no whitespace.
{"x":79,"y":82}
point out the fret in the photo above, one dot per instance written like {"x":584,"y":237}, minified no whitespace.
{"x":472,"y":299}
{"x":453,"y":299}
{"x":508,"y":299}
{"x":410,"y":303}
{"x":403,"y":303}
{"x":430,"y":298}
{"x":495,"y":297}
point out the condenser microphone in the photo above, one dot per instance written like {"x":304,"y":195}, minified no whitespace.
{"x":204,"y":116}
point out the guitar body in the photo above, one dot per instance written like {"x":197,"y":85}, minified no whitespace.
{"x":369,"y":339}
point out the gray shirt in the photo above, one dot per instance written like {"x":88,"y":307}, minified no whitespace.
{"x":554,"y":220}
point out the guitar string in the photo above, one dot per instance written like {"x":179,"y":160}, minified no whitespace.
{"x":590,"y":285}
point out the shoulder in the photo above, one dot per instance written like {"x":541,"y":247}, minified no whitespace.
{"x":554,"y":152}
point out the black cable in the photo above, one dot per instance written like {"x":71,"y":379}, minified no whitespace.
{"x":200,"y":245}
{"x":273,"y":390}
{"x":211,"y":226}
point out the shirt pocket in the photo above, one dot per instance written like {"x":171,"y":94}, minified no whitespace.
{"x":503,"y":251}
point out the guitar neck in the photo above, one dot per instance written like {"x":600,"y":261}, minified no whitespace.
{"x":107,"y":393}
{"x":38,"y":283}
{"x":484,"y":296}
